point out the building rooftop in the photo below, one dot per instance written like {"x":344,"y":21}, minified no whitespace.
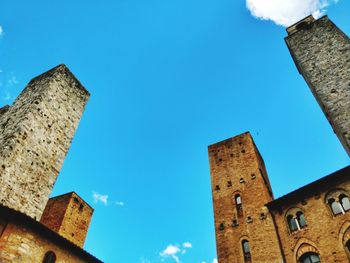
{"x":323,"y":184}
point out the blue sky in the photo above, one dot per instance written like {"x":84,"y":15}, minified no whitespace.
{"x":168,"y":78}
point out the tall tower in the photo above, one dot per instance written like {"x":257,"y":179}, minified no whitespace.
{"x":35,"y":135}
{"x":321,"y":53}
{"x":245,"y":230}
{"x":68,"y":215}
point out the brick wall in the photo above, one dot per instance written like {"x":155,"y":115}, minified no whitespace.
{"x":68,"y":215}
{"x":323,"y":233}
{"x":237,"y":168}
{"x":19,"y":244}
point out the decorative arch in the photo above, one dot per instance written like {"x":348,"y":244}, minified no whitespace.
{"x":344,"y":237}
{"x":302,"y":246}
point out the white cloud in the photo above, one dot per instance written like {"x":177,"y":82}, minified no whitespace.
{"x":215,"y":260}
{"x":100,"y":198}
{"x":187,"y":245}
{"x":1,"y":31}
{"x":120,"y":203}
{"x":171,"y":251}
{"x":287,"y":12}
{"x":174,"y":251}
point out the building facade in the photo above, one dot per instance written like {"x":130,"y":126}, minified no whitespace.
{"x":35,"y":133}
{"x":311,"y":224}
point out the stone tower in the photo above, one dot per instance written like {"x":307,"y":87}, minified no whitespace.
{"x":321,"y":52}
{"x":68,"y":215}
{"x":245,"y":230}
{"x":35,"y":135}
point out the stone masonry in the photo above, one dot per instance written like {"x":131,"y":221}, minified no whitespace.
{"x":35,"y":135}
{"x":236,"y":168}
{"x":321,"y":53}
{"x":69,"y":216}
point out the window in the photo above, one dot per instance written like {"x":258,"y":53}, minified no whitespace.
{"x":292,"y":223}
{"x":347,"y":245}
{"x":50,"y":257}
{"x":345,"y":203}
{"x":246,"y":251}
{"x":301,"y":219}
{"x":296,"y":220}
{"x":310,"y":258}
{"x":238,"y":202}
{"x":338,"y":202}
{"x":335,"y":206}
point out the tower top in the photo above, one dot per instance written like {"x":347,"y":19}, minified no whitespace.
{"x":301,"y":24}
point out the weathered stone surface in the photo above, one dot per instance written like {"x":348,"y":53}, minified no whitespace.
{"x":236,"y":167}
{"x":69,"y":216}
{"x":321,"y":53}
{"x":19,"y":244}
{"x":35,"y":135}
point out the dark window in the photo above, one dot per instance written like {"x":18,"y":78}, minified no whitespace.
{"x":292,"y":223}
{"x":310,"y":258}
{"x":238,"y":202}
{"x":246,"y":251}
{"x":301,"y":219}
{"x":348,"y":245}
{"x":50,"y":257}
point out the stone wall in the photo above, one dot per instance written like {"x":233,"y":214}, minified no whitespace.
{"x":324,"y":233}
{"x":69,"y":216}
{"x":321,"y":53}
{"x":237,"y":168}
{"x":35,"y":135}
{"x":19,"y":244}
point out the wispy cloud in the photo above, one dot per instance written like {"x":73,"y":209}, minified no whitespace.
{"x":119,"y":203}
{"x":100,"y":198}
{"x":1,"y":31}
{"x":215,"y":260}
{"x":7,"y":81}
{"x":287,"y":12}
{"x":174,"y":251}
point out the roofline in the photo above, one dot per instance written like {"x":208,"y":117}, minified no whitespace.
{"x":310,"y":189}
{"x":70,"y":193}
{"x":14,"y":215}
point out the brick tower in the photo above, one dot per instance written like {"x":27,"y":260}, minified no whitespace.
{"x":245,"y":230}
{"x":35,"y":135}
{"x":321,"y":52}
{"x":68,"y":215}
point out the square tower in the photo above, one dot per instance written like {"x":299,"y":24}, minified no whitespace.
{"x":321,"y":52}
{"x":245,"y":230}
{"x":68,"y":215}
{"x":35,"y":135}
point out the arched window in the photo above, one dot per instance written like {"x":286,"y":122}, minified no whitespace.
{"x":335,"y":206}
{"x":292,"y":223}
{"x":246,"y":251}
{"x":50,"y":257}
{"x":347,"y":245}
{"x":345,"y":203}
{"x":310,"y":258}
{"x":296,"y":219}
{"x":238,"y":202}
{"x":338,"y":201}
